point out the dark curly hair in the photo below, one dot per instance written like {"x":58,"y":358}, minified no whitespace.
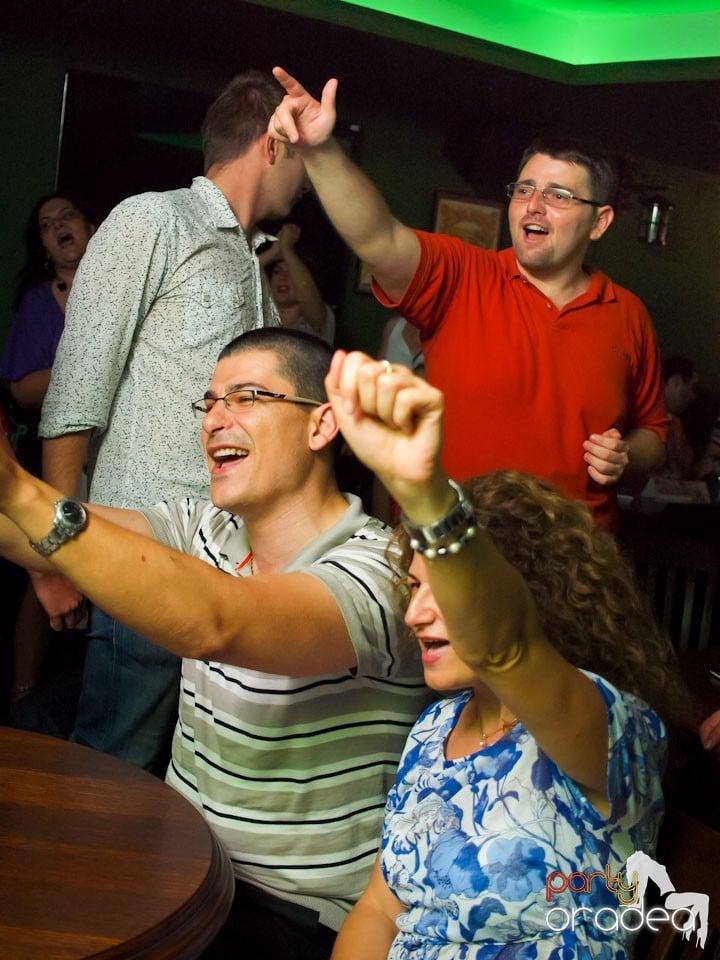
{"x":584,"y":589}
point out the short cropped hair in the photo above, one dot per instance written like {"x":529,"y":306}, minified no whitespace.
{"x":602,"y":171}
{"x":239,"y":116}
{"x":303,"y":358}
{"x":677,"y":364}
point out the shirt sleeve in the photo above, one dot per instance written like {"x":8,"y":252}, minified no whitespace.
{"x":444,"y":266}
{"x":116,"y":284}
{"x":362,"y":583}
{"x":637,"y":754}
{"x":199,"y":529}
{"x":648,"y":408}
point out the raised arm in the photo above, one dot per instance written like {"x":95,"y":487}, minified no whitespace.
{"x":15,"y":546}
{"x":178,"y":601}
{"x":393,"y":421}
{"x":310,"y":302}
{"x":353,"y":204}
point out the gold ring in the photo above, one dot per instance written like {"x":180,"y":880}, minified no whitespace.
{"x":388,"y":366}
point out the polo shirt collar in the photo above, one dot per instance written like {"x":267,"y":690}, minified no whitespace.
{"x":353,"y":518}
{"x":600,"y":289}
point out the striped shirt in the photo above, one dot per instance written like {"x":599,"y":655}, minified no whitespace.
{"x":292,"y":772}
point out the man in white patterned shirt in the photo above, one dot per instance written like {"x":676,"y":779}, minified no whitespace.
{"x":299,"y":683}
{"x":169,"y":280}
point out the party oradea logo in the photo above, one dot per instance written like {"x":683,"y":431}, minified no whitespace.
{"x":687,"y":912}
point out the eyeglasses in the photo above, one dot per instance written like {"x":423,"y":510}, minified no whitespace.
{"x":242,"y":399}
{"x":553,"y":196}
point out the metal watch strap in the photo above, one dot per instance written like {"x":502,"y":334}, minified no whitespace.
{"x":63,"y":529}
{"x":447,"y":535}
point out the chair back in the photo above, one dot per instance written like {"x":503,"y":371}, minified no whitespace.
{"x":690,"y":851}
{"x":680,"y":576}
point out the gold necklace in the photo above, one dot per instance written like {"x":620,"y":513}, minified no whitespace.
{"x":504,"y":726}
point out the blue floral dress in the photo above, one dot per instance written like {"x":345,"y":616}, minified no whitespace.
{"x":469,"y":845}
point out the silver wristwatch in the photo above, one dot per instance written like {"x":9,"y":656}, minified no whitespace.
{"x":70,"y":518}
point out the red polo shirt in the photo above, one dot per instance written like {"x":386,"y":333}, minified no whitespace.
{"x":525,"y":383}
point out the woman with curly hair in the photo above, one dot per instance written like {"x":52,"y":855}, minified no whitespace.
{"x":523,"y":791}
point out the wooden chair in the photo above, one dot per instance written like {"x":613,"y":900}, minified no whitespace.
{"x":690,"y":850}
{"x":680,"y":576}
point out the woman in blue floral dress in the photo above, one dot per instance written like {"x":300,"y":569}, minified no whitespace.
{"x":521,"y":794}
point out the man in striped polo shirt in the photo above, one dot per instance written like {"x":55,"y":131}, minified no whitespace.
{"x":299,"y":683}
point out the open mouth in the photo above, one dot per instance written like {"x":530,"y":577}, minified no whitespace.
{"x":64,"y":239}
{"x":226,"y":456}
{"x":432,"y":649}
{"x":535,"y":230}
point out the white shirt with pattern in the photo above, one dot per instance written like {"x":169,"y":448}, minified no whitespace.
{"x":166,"y":282}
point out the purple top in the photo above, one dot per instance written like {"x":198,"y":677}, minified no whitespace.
{"x":34,"y":335}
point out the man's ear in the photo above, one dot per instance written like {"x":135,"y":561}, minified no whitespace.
{"x":603,"y":218}
{"x":323,"y":427}
{"x":272,"y":149}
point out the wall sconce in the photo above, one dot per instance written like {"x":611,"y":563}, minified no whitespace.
{"x":654,"y":219}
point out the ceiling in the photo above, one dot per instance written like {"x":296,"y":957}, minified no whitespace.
{"x":666,"y":110}
{"x":576,"y":32}
{"x":571,"y":41}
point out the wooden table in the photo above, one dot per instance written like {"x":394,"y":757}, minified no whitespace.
{"x":100,"y":859}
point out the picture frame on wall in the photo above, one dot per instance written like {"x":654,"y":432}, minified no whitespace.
{"x":471,"y":219}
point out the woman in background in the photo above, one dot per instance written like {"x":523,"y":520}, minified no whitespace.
{"x":56,"y":236}
{"x":293,"y":288}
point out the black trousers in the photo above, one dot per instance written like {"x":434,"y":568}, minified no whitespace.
{"x":261,"y":925}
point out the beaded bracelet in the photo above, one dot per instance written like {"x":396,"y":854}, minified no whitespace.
{"x":447,"y":535}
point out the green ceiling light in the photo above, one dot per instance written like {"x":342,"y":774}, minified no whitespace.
{"x":576,"y":32}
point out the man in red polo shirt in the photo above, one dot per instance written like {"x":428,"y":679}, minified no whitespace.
{"x":546,"y":365}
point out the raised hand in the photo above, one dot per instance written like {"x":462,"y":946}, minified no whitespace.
{"x":300,"y":119}
{"x":393,"y":422}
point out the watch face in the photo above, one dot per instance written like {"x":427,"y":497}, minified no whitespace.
{"x":73,"y":513}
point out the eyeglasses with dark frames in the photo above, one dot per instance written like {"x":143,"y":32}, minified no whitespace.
{"x":243,"y":398}
{"x":553,"y":196}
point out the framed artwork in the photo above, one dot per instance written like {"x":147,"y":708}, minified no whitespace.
{"x":473,"y":220}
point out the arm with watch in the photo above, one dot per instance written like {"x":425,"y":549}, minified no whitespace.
{"x":67,"y":516}
{"x":175,"y":600}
